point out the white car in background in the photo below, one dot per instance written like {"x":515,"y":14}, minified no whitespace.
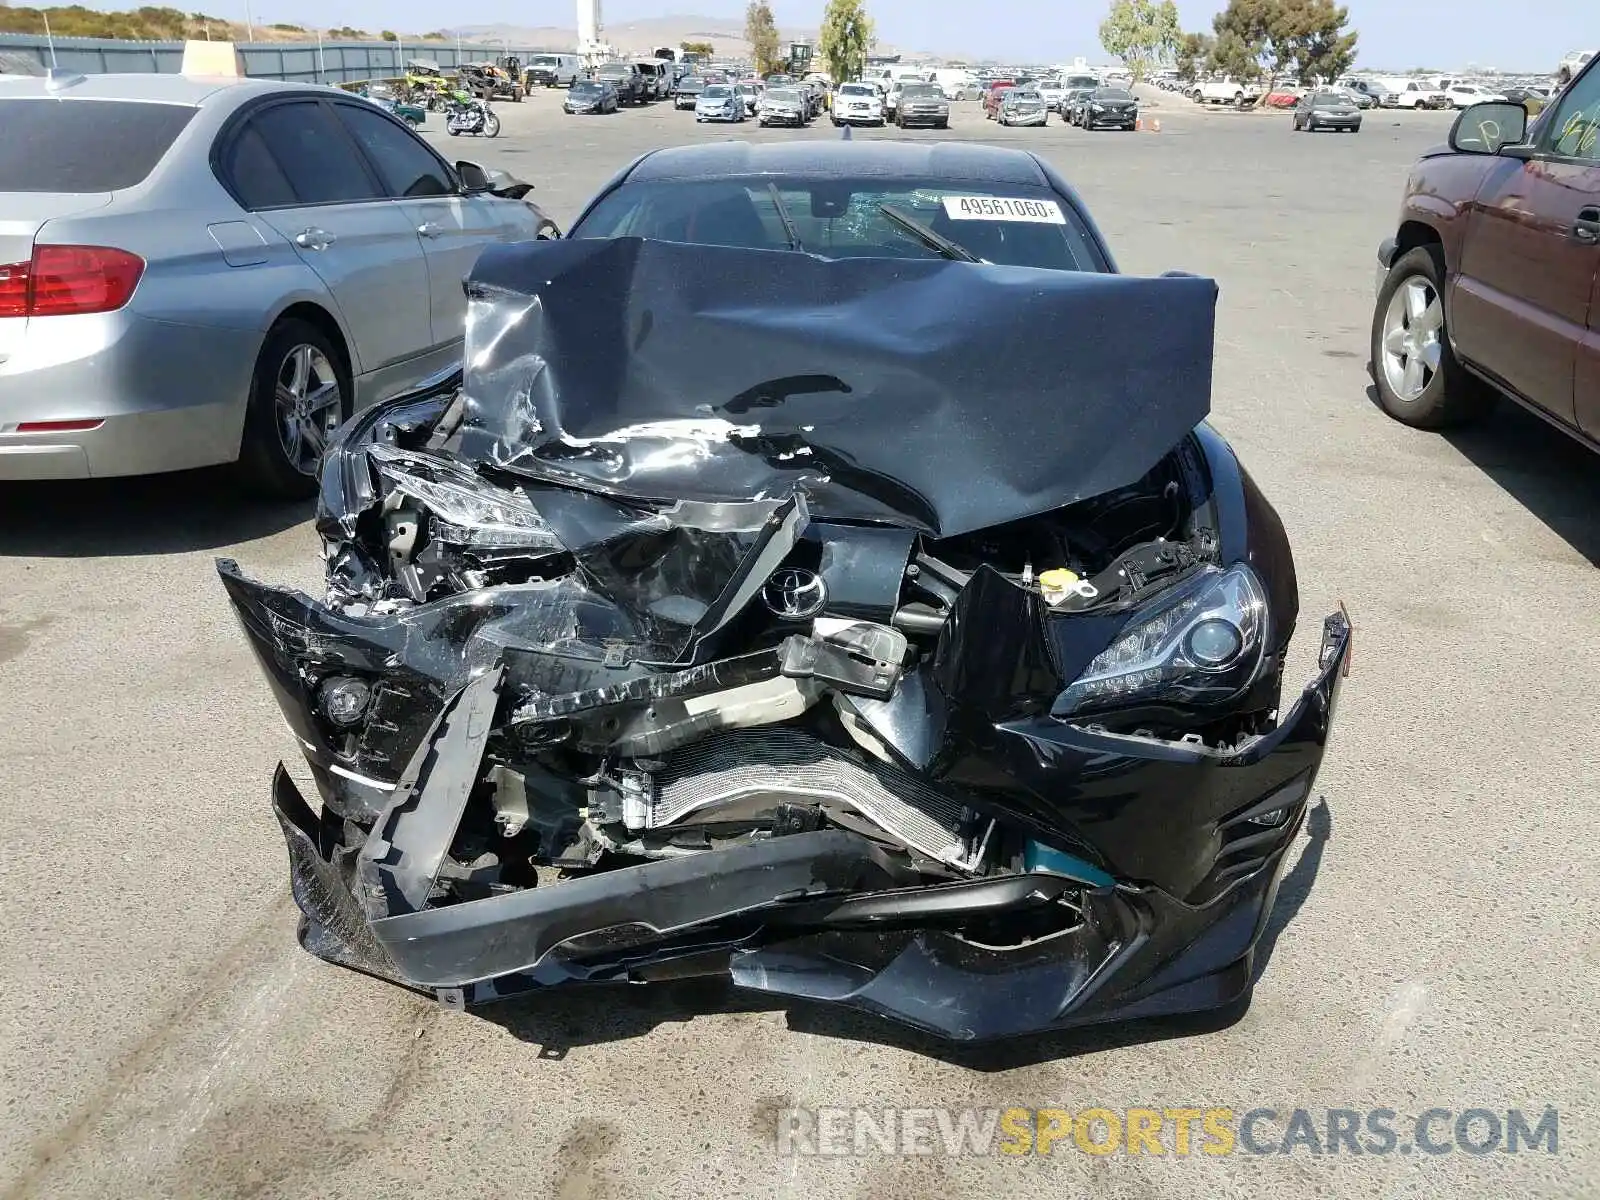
{"x":1053,"y":91}
{"x":1465,"y":95}
{"x":857,"y":104}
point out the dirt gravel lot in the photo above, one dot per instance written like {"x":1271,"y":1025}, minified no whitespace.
{"x":1434,"y":944}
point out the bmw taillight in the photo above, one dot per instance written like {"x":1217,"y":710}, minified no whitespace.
{"x":69,"y":280}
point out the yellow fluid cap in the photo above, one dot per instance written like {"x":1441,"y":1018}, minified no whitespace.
{"x":1057,"y":579}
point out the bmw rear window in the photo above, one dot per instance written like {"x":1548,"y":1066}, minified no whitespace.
{"x":84,"y":145}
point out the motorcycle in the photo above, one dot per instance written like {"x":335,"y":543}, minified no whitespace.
{"x":471,"y":115}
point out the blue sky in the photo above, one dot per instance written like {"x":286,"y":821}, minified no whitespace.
{"x":1446,"y":34}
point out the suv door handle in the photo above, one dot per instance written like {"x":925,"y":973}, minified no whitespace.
{"x":430,"y":229}
{"x":1586,"y":228}
{"x":314,"y":239}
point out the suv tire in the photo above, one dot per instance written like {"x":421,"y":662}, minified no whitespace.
{"x":1419,"y":380}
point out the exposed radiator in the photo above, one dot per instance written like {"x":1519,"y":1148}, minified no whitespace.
{"x":740,"y":763}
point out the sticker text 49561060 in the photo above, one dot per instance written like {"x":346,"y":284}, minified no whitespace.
{"x":1003,"y":208}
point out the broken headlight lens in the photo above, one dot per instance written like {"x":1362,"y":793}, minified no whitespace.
{"x":1200,"y":643}
{"x":467,"y":509}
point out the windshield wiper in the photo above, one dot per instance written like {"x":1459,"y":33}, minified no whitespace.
{"x":928,"y":237}
{"x":789,"y":229}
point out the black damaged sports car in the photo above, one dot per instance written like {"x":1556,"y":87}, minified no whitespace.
{"x":821,"y":574}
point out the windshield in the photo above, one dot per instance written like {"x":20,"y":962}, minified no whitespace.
{"x":717,"y":91}
{"x":1082,"y":81}
{"x":84,"y":145}
{"x":1027,"y":226}
{"x":858,"y":89}
{"x":614,"y":69}
{"x":544,"y":60}
{"x":1333,"y":98}
{"x":586,"y":89}
{"x":784,"y":95}
{"x":690,"y":81}
{"x":1112,"y":94}
{"x":920,"y":91}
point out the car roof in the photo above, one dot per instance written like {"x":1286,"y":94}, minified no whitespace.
{"x":150,"y":88}
{"x":835,"y":157}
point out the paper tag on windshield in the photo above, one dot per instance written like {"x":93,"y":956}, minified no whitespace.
{"x":1001,"y":208}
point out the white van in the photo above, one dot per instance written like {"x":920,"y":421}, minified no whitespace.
{"x":1409,"y":93}
{"x":552,"y":70}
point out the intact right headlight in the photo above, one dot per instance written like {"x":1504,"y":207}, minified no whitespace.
{"x":1200,"y":643}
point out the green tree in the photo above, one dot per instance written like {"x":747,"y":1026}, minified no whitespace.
{"x":697,"y":47}
{"x":847,"y":36}
{"x":1193,"y":55}
{"x":1305,"y":38}
{"x":1313,"y":34}
{"x":389,"y":35}
{"x":1140,"y":33}
{"x":761,"y":31}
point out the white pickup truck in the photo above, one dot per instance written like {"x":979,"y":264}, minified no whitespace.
{"x":1227,"y":90}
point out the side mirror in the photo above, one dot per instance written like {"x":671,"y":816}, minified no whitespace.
{"x":474,"y":179}
{"x":1487,"y":128}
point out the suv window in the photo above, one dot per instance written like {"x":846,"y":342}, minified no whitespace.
{"x":312,"y":149}
{"x":1574,"y":130}
{"x":84,"y":145}
{"x":407,"y":166}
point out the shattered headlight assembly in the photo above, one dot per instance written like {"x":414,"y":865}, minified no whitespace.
{"x":1200,"y":643}
{"x":467,"y":510}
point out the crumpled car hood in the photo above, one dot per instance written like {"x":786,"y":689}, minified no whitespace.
{"x":936,"y":395}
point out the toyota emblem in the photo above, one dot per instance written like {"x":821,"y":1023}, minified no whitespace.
{"x":795,"y":594}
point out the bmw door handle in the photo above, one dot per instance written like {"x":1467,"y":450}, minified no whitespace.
{"x":1586,"y":228}
{"x":430,"y":229}
{"x":314,"y":239}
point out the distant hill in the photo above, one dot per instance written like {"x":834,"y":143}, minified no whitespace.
{"x":726,"y":34}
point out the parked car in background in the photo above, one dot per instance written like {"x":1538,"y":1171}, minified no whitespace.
{"x":553,"y":70}
{"x":1486,"y":287}
{"x":857,"y":104}
{"x":783,"y":106}
{"x":1465,"y":95}
{"x":1227,"y":90}
{"x":995,"y":94}
{"x":1327,"y":110}
{"x":1374,"y":90}
{"x":688,"y":91}
{"x":657,"y":83}
{"x":204,"y":271}
{"x":1109,"y":108}
{"x":1052,"y":91}
{"x":1072,"y":103}
{"x":626,"y":78}
{"x":591,"y":96}
{"x":1023,"y":106}
{"x":922,"y":104}
{"x":750,"y":92}
{"x":720,"y":102}
{"x":1411,"y":93}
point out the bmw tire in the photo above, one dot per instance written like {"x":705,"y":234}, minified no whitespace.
{"x":300,"y":393}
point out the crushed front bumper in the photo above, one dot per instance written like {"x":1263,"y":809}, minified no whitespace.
{"x":824,"y":915}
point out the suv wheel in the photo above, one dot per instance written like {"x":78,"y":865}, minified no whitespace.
{"x":300,"y":394}
{"x":1418,"y":378}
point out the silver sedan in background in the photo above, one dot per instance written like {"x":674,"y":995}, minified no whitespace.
{"x":204,"y":271}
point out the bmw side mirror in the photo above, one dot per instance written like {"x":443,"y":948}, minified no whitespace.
{"x":1489,"y":128}
{"x":474,"y":179}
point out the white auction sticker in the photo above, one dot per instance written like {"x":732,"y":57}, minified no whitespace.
{"x":1003,"y":208}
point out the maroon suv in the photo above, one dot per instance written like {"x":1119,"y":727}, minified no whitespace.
{"x":1488,"y":284}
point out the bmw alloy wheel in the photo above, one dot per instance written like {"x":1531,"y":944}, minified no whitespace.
{"x":1412,"y":327}
{"x":309,"y":406}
